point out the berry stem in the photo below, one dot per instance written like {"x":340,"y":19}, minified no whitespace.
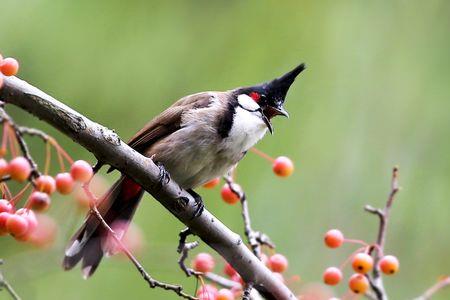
{"x":262,"y":154}
{"x":354,"y":241}
{"x":342,"y":266}
{"x":4,"y":138}
{"x":48,"y":157}
{"x":19,"y":195}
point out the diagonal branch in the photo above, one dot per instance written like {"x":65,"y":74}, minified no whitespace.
{"x":107,"y":147}
{"x":5,"y":284}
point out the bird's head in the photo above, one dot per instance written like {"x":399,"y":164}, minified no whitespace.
{"x":270,"y":96}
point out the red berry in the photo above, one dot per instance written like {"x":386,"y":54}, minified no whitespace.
{"x":278,"y":263}
{"x":4,"y":167}
{"x":17,"y":225}
{"x":81,"y":171}
{"x":212,"y":183}
{"x":3,"y":218}
{"x":203,"y":262}
{"x":228,"y":195}
{"x":19,"y":169}
{"x":358,"y":283}
{"x":9,"y":66}
{"x":6,"y":206}
{"x":389,"y":265}
{"x":334,"y":238}
{"x":46,"y":184}
{"x":332,"y":276}
{"x":228,"y":269}
{"x":362,"y":263}
{"x":64,"y":183}
{"x":283,"y":166}
{"x":39,"y":201}
{"x":224,"y":294}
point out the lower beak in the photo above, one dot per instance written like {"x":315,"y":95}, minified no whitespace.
{"x":268,"y":124}
{"x":281,"y":111}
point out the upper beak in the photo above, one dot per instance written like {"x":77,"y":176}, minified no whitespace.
{"x":280,"y":111}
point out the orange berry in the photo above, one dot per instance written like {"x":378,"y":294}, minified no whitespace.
{"x":332,"y":276}
{"x":39,"y":201}
{"x":358,"y":283}
{"x":224,"y":294}
{"x":19,"y":169}
{"x":389,"y":264}
{"x":212,"y":183}
{"x":362,"y":263}
{"x":229,"y":270}
{"x":9,"y":66}
{"x":17,"y":225}
{"x":4,"y":167}
{"x":228,"y":195}
{"x":81,"y":171}
{"x":278,"y":263}
{"x":283,"y":166}
{"x":64,"y":183}
{"x":46,"y":184}
{"x":334,"y":238}
{"x":203,"y":262}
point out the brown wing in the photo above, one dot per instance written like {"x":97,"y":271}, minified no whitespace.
{"x":168,"y":121}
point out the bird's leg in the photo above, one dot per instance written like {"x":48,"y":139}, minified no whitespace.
{"x":164,"y":176}
{"x":200,"y":206}
{"x":98,"y":165}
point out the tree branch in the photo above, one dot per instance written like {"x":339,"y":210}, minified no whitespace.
{"x":5,"y":284}
{"x":108,"y":148}
{"x":442,"y":283}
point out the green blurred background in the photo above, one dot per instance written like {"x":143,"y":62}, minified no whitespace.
{"x":375,"y":94}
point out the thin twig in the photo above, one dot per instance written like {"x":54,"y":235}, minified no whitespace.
{"x":183,"y":249}
{"x":5,"y":284}
{"x":153,"y":283}
{"x":376,"y":281}
{"x":442,"y":283}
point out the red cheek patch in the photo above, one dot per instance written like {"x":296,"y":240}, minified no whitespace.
{"x":255,"y":96}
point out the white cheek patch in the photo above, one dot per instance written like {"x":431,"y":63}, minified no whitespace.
{"x":247,"y":102}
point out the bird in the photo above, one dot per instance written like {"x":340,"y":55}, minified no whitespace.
{"x":198,"y":138}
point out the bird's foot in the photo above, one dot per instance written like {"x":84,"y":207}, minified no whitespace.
{"x":200,"y":206}
{"x":164,"y":177}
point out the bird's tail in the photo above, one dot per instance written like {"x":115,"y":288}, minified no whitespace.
{"x":91,"y":242}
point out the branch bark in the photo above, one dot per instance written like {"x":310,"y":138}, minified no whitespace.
{"x":107,"y":147}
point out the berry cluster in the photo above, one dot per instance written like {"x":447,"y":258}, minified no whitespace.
{"x":205,"y":263}
{"x":8,"y":67}
{"x":361,"y":260}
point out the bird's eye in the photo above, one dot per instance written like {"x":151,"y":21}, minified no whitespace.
{"x":255,"y":96}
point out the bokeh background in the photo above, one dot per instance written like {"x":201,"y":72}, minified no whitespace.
{"x":375,"y":94}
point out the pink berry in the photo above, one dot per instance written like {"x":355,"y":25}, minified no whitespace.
{"x":229,"y":270}
{"x":19,"y":169}
{"x":17,"y":225}
{"x":46,"y":184}
{"x":3,"y":218}
{"x":228,"y":195}
{"x":39,"y":201}
{"x":278,"y":263}
{"x":6,"y":206}
{"x":334,"y":238}
{"x":9,"y":66}
{"x":332,"y":276}
{"x":203,"y":262}
{"x":224,"y":294}
{"x":4,"y":167}
{"x":29,"y":215}
{"x":81,"y":171}
{"x":64,"y":183}
{"x":283,"y":166}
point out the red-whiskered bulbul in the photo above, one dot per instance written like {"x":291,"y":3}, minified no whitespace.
{"x":200,"y":137}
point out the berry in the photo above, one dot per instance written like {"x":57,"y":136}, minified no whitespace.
{"x":278,"y":263}
{"x":389,"y":264}
{"x":46,"y":184}
{"x":228,"y":269}
{"x":9,"y":66}
{"x":64,"y":183}
{"x":224,"y":294}
{"x":362,"y":263}
{"x":29,"y":215}
{"x":45,"y":232}
{"x":283,"y":166}
{"x":203,"y":262}
{"x":19,"y":169}
{"x":17,"y":225}
{"x":3,"y":218}
{"x":212,"y":183}
{"x":4,"y":167}
{"x":39,"y":201}
{"x":228,"y":195}
{"x":332,"y":276}
{"x":358,"y":283}
{"x":6,"y":206}
{"x":81,"y":171}
{"x":334,"y":238}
